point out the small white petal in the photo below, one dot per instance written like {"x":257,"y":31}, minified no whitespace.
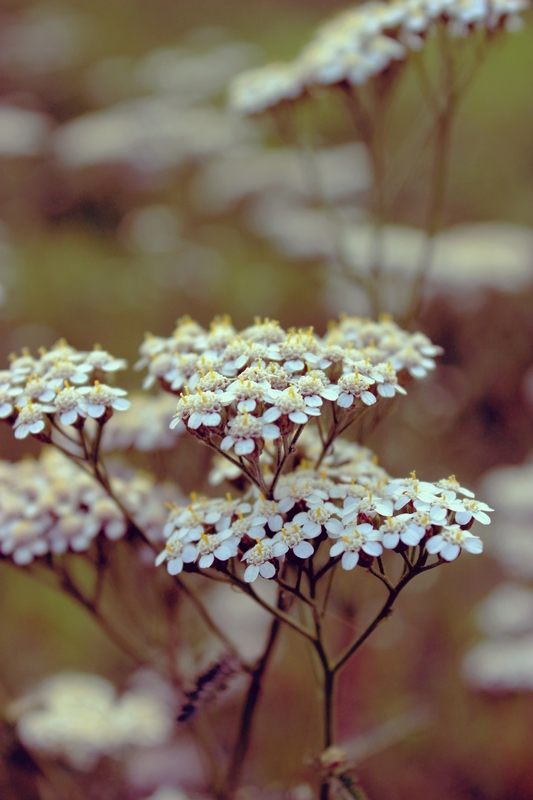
{"x":390,"y":540}
{"x":473,"y":545}
{"x":349,"y":560}
{"x":449,"y":552}
{"x":251,"y":573}
{"x":303,"y":550}
{"x":337,"y":549}
{"x":434,"y":544}
{"x":175,"y":566}
{"x":267,"y":570}
{"x":244,"y":447}
{"x":373,"y":548}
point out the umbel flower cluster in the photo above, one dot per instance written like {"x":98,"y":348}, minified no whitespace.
{"x":50,"y":505}
{"x":365,"y":41}
{"x":253,"y":396}
{"x":63,"y":386}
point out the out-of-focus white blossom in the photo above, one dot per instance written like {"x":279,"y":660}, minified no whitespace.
{"x":50,"y":505}
{"x":78,"y":718}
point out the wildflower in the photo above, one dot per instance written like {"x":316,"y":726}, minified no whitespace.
{"x":259,"y":561}
{"x":68,"y":405}
{"x":30,"y":420}
{"x":246,"y":394}
{"x":67,"y":370}
{"x":315,"y":387}
{"x":475,"y":509}
{"x":99,"y":359}
{"x":292,"y":537}
{"x":98,"y":399}
{"x":354,"y":539}
{"x":387,"y":380}
{"x":452,"y":485}
{"x":266,"y":512}
{"x":451,"y":540}
{"x":314,"y":518}
{"x":6,"y":403}
{"x":354,"y":387}
{"x":37,"y":390}
{"x":369,"y":505}
{"x":244,"y":431}
{"x":172,"y":554}
{"x":210,"y":546}
{"x":404,"y":528}
{"x":291,"y":404}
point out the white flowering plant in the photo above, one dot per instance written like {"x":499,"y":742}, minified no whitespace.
{"x":305,"y":502}
{"x":364,"y":57}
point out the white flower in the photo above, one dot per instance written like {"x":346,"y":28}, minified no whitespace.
{"x":452,"y":485}
{"x":406,"y":528}
{"x":291,"y":489}
{"x":387,"y":380}
{"x":438,"y":506}
{"x":37,"y":390}
{"x":292,"y":537}
{"x":6,"y":403}
{"x":315,"y":387}
{"x":473,"y":508}
{"x":368,"y":505}
{"x":353,"y":539}
{"x":243,"y":432}
{"x":206,"y":410}
{"x":29,"y":420}
{"x":314,"y":518}
{"x":99,"y":359}
{"x":96,"y":400}
{"x":413,"y":361}
{"x":266,"y":512}
{"x":210,"y":546}
{"x":68,"y":405}
{"x":172,"y":554}
{"x":405,"y":490}
{"x":63,"y":371}
{"x":354,"y":387}
{"x":291,"y":404}
{"x":259,"y":561}
{"x":246,"y":393}
{"x":451,"y":540}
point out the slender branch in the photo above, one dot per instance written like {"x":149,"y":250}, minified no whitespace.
{"x":383,"y":613}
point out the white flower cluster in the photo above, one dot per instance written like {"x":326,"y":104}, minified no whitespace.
{"x":263,"y":382}
{"x":351,"y":501}
{"x":62,"y":383}
{"x":363,"y":42}
{"x":79,"y":718}
{"x":49,"y":505}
